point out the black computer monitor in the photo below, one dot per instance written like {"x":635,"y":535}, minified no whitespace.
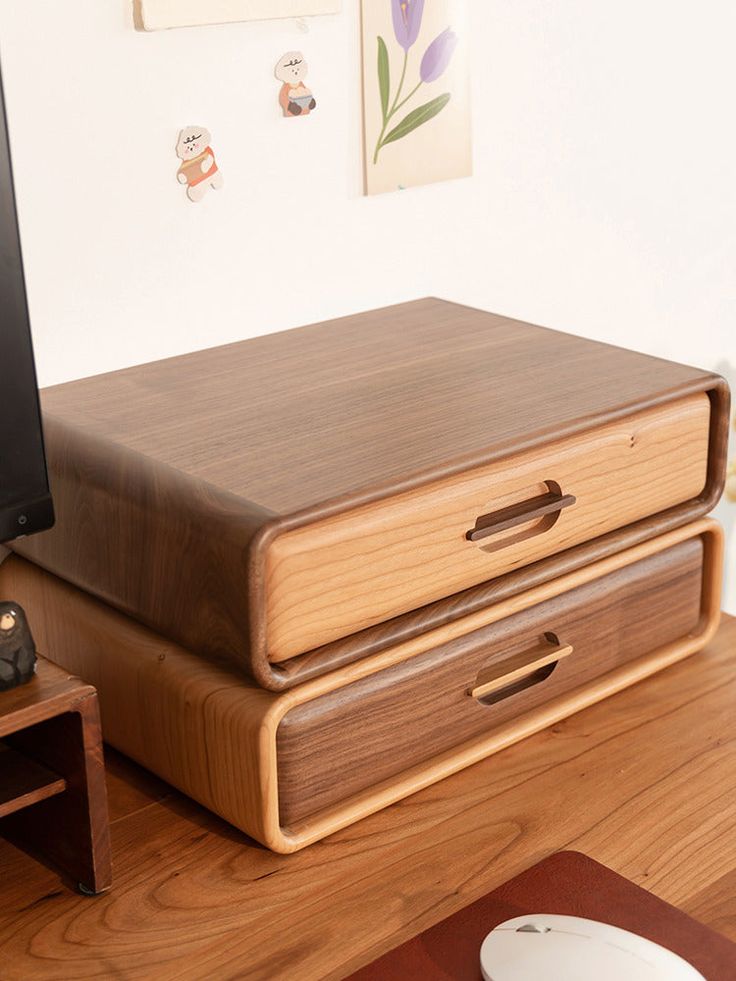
{"x":25,"y":502}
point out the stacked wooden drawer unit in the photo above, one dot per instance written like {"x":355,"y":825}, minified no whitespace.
{"x":313,"y":572}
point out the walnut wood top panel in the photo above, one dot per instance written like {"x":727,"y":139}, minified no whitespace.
{"x":644,"y":782}
{"x":292,"y":420}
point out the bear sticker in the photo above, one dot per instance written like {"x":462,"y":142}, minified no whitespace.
{"x":199,"y":170}
{"x":295,"y":98}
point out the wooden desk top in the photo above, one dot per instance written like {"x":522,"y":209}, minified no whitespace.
{"x":644,"y":783}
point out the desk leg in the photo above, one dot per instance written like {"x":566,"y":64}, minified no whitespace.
{"x":70,"y":831}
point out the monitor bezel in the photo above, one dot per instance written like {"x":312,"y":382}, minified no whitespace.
{"x":27,"y":516}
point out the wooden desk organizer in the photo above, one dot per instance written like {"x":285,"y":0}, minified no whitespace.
{"x":290,"y":768}
{"x":301,"y":501}
{"x":53,"y":796}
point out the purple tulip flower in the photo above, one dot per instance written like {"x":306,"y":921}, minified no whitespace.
{"x":407,"y":21}
{"x":437,"y":56}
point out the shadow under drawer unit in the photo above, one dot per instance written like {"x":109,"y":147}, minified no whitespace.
{"x":289,"y":768}
{"x":304,"y":500}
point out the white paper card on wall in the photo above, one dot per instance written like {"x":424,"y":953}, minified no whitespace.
{"x":159,"y":15}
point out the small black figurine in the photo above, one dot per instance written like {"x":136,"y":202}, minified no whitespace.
{"x":17,"y":649}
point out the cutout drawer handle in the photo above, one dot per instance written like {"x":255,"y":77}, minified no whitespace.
{"x":520,"y":671}
{"x":547,"y":504}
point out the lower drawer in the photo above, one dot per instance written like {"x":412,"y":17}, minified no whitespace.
{"x":358,"y":736}
{"x":290,"y":768}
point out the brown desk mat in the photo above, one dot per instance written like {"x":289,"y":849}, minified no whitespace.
{"x":565,"y":883}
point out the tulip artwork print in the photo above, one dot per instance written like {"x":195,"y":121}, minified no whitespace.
{"x":415,"y":75}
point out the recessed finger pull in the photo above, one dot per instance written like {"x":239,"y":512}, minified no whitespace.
{"x":547,"y":506}
{"x":521,"y":671}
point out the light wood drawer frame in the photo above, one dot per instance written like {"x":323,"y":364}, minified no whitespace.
{"x":355,"y":570}
{"x":211,"y":733}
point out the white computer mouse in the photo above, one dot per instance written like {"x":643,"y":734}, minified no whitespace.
{"x":569,"y":948}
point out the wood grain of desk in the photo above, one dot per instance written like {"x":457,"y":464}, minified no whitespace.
{"x":644,"y":782}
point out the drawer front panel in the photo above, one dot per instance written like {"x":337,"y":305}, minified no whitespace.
{"x":351,"y":739}
{"x":346,"y":573}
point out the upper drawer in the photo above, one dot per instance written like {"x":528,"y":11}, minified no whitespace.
{"x":300,"y":501}
{"x":337,"y":576}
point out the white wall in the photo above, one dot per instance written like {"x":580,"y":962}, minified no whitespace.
{"x":603,"y":200}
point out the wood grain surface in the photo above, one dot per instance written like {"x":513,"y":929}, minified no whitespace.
{"x":354,"y":570}
{"x":171,"y":479}
{"x":24,"y":782}
{"x":213,"y":734}
{"x":565,"y":883}
{"x":644,"y":782}
{"x":349,"y":739}
{"x":298,"y":419}
{"x":51,"y":690}
{"x":52,"y":723}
